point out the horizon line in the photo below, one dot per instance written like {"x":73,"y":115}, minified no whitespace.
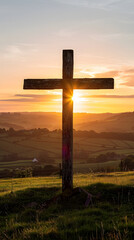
{"x":61,"y":112}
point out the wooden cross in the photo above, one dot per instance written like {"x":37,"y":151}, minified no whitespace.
{"x":67,"y":83}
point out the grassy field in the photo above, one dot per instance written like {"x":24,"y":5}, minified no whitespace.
{"x":28,"y":148}
{"x":24,"y":215}
{"x":17,"y":184}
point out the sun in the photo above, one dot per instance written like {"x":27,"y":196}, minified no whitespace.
{"x":76,"y":97}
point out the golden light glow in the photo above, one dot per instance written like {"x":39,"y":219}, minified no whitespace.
{"x":76,"y":97}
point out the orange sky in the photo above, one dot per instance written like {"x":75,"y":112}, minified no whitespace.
{"x":101,"y":34}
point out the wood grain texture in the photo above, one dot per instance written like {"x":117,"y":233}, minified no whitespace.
{"x":78,"y":83}
{"x":42,"y":84}
{"x":67,"y":122}
{"x":93,"y":83}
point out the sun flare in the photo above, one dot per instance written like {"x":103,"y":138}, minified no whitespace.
{"x":76,"y":97}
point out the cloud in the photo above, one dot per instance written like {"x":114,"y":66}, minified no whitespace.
{"x":129,"y":83}
{"x":108,"y":74}
{"x":19,"y":51}
{"x":74,"y":2}
{"x":105,"y":3}
{"x":100,"y":4}
{"x":123,"y":77}
{"x":111,"y":96}
{"x":12,"y":52}
{"x":128,"y":78}
{"x":32,"y":98}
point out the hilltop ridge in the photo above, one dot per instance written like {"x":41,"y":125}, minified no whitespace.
{"x":113,"y":122}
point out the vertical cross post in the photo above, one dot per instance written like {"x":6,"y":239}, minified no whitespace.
{"x":67,"y":121}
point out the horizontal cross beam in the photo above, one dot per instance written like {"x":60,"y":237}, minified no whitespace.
{"x":78,"y":83}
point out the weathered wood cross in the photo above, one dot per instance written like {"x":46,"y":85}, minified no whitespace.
{"x":67,"y":83}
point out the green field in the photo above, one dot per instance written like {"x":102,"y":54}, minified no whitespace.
{"x":49,"y":144}
{"x":118,"y":178}
{"x":110,"y":215}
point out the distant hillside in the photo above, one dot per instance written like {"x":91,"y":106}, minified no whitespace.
{"x":44,"y":120}
{"x":123,"y":122}
{"x":108,"y":122}
{"x":30,"y":120}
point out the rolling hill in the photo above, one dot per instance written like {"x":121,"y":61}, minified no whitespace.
{"x":108,"y":122}
{"x":123,"y":122}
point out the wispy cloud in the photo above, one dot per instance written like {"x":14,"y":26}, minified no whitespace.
{"x":74,"y":2}
{"x":99,"y":4}
{"x":128,"y":77}
{"x":111,"y":96}
{"x":32,"y":98}
{"x":19,"y":51}
{"x":13,"y":52}
{"x":124,"y":76}
{"x":128,"y":81}
{"x":105,"y":3}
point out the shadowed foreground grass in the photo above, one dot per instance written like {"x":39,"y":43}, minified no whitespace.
{"x":110,"y":216}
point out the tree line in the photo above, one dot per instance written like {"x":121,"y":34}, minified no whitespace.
{"x":80,"y":133}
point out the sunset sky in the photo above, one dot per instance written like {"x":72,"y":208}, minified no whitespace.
{"x":33,"y":34}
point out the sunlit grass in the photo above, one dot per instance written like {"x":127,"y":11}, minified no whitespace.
{"x":118,"y":178}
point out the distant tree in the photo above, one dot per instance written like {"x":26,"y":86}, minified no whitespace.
{"x":127,"y":164}
{"x":22,"y":173}
{"x":11,"y":132}
{"x":2,"y":130}
{"x":45,"y":171}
